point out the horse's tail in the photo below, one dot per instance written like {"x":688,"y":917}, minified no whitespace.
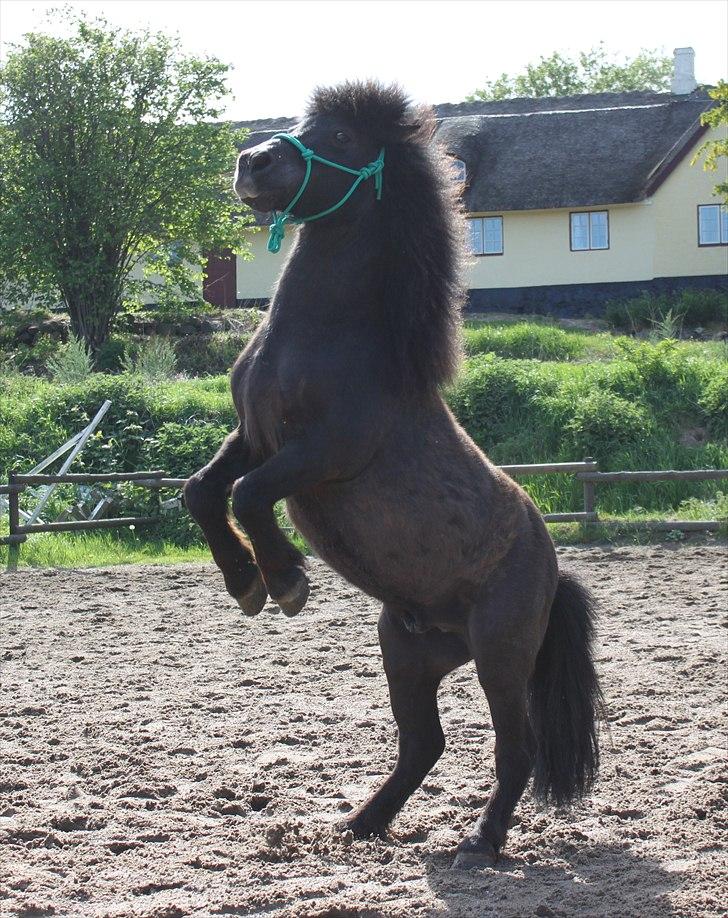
{"x":565,"y":698}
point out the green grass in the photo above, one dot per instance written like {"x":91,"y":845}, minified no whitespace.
{"x":110,"y":548}
{"x":122,"y":546}
{"x":101,"y":549}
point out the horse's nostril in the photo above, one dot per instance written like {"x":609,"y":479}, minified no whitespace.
{"x":260,"y":161}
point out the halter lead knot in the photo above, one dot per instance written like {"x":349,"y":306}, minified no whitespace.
{"x":277,"y":229}
{"x":276,"y":232}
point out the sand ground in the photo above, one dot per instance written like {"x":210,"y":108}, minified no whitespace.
{"x":164,"y":756}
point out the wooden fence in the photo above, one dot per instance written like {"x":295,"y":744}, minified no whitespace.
{"x":586,"y":472}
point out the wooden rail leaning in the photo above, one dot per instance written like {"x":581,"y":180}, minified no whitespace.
{"x":587,"y":472}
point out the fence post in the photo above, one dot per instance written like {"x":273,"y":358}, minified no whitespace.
{"x":589,"y":498}
{"x":14,"y":520}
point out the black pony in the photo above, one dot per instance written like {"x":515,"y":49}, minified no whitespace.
{"x":341,"y":414}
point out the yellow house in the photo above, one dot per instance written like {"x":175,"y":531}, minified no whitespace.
{"x":571,"y":201}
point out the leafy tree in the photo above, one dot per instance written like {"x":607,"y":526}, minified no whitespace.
{"x":712,"y":150}
{"x":589,"y":71}
{"x":111,"y":159}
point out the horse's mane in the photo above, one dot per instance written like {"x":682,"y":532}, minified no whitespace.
{"x":422,"y":229}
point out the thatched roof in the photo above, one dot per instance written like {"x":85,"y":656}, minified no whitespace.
{"x":572,"y":151}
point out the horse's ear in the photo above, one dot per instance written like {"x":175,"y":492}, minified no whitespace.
{"x":417,"y":123}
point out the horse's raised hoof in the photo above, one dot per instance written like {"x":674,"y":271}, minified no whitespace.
{"x":254,"y":599}
{"x":478,"y":858}
{"x":294,"y":600}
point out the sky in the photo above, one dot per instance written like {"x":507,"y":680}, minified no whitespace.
{"x":438,"y":50}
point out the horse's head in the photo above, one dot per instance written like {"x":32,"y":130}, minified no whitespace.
{"x":269,"y":175}
{"x":348,"y":125}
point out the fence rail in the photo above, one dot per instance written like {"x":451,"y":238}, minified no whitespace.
{"x":667,"y":475}
{"x":83,"y":478}
{"x":548,"y":468}
{"x":586,"y":472}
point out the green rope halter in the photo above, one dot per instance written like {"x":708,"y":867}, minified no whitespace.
{"x":277,"y":228}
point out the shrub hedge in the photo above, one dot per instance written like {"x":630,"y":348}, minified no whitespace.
{"x":630,"y":412}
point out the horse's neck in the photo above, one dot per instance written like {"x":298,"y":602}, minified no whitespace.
{"x":331,"y":276}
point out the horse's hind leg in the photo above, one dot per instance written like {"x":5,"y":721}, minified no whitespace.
{"x":415,"y":664}
{"x":513,"y":755}
{"x":505,"y":636}
{"x":206,"y":497}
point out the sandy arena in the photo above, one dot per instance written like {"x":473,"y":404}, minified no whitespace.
{"x":163,"y":756}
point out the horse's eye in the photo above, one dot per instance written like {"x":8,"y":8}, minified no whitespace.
{"x":341,"y":137}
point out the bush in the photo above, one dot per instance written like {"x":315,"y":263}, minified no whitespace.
{"x":71,"y":364}
{"x":182,"y":449}
{"x":29,"y":428}
{"x":603,"y":423}
{"x":37,"y":416}
{"x":524,"y":341}
{"x":493,"y":396}
{"x":210,"y":355}
{"x":635,"y":314}
{"x":153,"y":360}
{"x":714,"y":402}
{"x":111,"y":355}
{"x":243,"y":320}
{"x":672,"y":379}
{"x":649,"y":310}
{"x":703,"y":306}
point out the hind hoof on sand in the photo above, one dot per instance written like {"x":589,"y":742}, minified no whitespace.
{"x":359,"y":828}
{"x":475,"y":860}
{"x":253,"y":601}
{"x":295,"y":599}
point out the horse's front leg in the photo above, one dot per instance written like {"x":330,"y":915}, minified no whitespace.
{"x":206,"y":497}
{"x":299,"y":465}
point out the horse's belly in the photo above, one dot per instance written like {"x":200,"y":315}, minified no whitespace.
{"x":420,"y":535}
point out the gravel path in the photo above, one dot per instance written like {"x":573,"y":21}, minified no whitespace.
{"x":163,"y":756}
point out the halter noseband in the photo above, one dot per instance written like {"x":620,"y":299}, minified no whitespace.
{"x":280,"y":218}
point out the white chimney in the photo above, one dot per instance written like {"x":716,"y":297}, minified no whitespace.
{"x":683,"y":74}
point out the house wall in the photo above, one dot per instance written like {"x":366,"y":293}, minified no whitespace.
{"x":536,"y":250}
{"x":257,"y":276}
{"x":675,"y":215}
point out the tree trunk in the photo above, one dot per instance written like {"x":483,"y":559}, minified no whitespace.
{"x":92,"y":311}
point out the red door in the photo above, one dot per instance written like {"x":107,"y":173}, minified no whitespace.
{"x":219,"y":286}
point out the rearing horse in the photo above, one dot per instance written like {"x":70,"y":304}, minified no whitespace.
{"x":341,"y":414}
